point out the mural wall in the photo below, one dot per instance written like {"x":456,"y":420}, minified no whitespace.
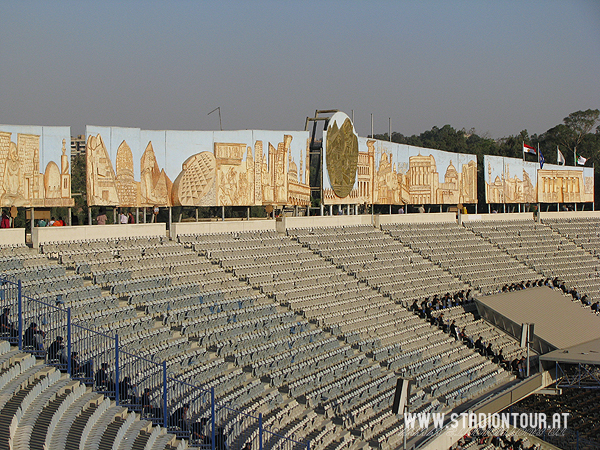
{"x":362,"y":170}
{"x":24,"y":152}
{"x":131,"y":167}
{"x":512,"y":180}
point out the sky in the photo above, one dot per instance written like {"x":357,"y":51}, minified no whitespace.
{"x":496,"y":66}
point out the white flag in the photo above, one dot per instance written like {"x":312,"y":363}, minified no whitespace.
{"x":560,"y":157}
{"x":581,"y":160}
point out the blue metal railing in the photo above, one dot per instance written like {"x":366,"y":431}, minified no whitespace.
{"x":145,"y":386}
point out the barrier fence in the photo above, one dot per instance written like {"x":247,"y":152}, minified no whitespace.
{"x":147,"y":387}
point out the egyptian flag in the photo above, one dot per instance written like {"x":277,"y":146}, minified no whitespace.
{"x":528,"y":149}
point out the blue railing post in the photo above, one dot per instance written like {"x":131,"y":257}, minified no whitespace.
{"x":20,"y":318}
{"x":260,"y":432}
{"x":117,"y":368}
{"x":69,"y":340}
{"x":166,"y":413}
{"x":212,"y":416}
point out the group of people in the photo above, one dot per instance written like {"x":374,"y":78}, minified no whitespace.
{"x":426,"y":308}
{"x":554,"y":283}
{"x":58,"y":354}
{"x":518,"y":286}
{"x":124,"y":218}
{"x":33,"y":337}
{"x":497,"y":439}
{"x":179,"y":419}
{"x":52,"y":222}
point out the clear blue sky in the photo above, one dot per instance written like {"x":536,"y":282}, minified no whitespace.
{"x":497,"y":66}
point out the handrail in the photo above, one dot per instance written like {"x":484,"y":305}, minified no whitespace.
{"x":104,"y":351}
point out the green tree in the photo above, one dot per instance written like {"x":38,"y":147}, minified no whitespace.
{"x":78,"y":187}
{"x":581,"y":123}
{"x":574,"y":133}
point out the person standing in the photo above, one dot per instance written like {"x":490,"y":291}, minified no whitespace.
{"x":5,"y":223}
{"x":101,"y":219}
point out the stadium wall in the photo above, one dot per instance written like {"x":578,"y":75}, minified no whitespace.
{"x":498,"y":217}
{"x":570,"y":215}
{"x":415,"y":218}
{"x":12,"y":236}
{"x":91,"y":232}
{"x":322,"y":221}
{"x":221,"y":227}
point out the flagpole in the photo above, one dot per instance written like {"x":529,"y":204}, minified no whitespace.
{"x":575,"y":156}
{"x":523,"y":150}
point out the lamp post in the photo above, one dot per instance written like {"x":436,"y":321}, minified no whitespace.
{"x":219,"y":109}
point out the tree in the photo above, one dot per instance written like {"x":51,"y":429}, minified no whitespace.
{"x":581,"y":123}
{"x":574,"y":130}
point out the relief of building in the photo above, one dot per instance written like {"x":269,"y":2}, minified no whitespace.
{"x":459,"y":187}
{"x":423,"y":180}
{"x":505,"y":189}
{"x":195,"y":185}
{"x":298,"y":188}
{"x":155,"y":185}
{"x":107,"y":188}
{"x":101,"y":178}
{"x":449,"y":190}
{"x":387,"y":181}
{"x":389,"y":185}
{"x":127,"y":187}
{"x":22,"y":184}
{"x":562,"y":186}
{"x":468,"y":183}
{"x":232,"y":175}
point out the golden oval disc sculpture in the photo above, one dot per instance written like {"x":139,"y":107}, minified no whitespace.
{"x":341,"y":154}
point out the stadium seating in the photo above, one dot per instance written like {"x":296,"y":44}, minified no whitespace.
{"x":311,"y":328}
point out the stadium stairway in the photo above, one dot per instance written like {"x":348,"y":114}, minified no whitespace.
{"x":41,"y":408}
